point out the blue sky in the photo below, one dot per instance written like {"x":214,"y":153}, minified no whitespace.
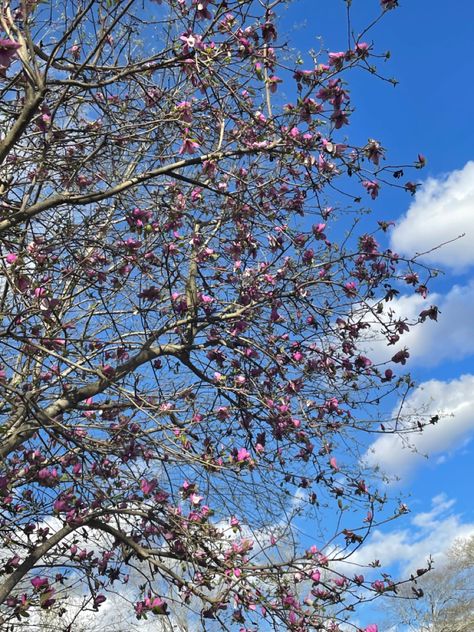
{"x":430,"y":111}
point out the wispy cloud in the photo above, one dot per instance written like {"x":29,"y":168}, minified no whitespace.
{"x":453,"y":401}
{"x":429,"y":533}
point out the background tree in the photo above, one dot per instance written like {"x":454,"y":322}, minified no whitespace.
{"x":182,"y":341}
{"x":446,"y":596}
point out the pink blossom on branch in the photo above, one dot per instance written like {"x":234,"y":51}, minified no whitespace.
{"x":189,"y":145}
{"x":8,"y":52}
{"x":372,"y":188}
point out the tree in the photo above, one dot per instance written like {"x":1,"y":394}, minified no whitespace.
{"x":443,"y":599}
{"x":182,"y":338}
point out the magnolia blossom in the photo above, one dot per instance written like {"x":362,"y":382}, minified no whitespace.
{"x":39,"y":583}
{"x":8,"y":51}
{"x":189,"y":146}
{"x":243,"y":455}
{"x":372,"y":187}
{"x":11,"y":258}
{"x":190,"y":40}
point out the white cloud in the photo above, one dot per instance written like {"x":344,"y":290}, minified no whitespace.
{"x":442,"y":209}
{"x":441,"y":504}
{"x":431,"y":343}
{"x":115,"y":615}
{"x":453,"y":401}
{"x":430,"y":533}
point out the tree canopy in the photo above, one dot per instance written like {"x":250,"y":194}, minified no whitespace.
{"x":183,"y":334}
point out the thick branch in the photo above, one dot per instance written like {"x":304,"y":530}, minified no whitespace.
{"x":31,"y":106}
{"x":33,"y":557}
{"x":25,"y":429}
{"x":88,"y":198}
{"x":148,"y":555}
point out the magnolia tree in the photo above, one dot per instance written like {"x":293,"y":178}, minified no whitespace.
{"x":183,"y":378}
{"x":445,"y":596}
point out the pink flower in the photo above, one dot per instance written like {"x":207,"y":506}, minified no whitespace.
{"x":333,"y":464}
{"x":190,"y":40}
{"x":98,"y":599}
{"x":39,"y":582}
{"x":46,"y":599}
{"x":43,"y":120}
{"x":268,"y":32}
{"x":374,"y":151}
{"x":189,"y":146}
{"x":195,"y":499}
{"x":156,"y":605}
{"x":185,"y":112}
{"x":350,"y":289}
{"x":339,"y":118}
{"x":336,"y":60}
{"x":75,"y":51}
{"x":401,"y":356}
{"x":8,"y":50}
{"x":243,"y":455}
{"x":273,"y":82}
{"x":11,"y":258}
{"x":421,"y":162}
{"x":48,"y":476}
{"x":371,"y":628}
{"x":378,"y":586}
{"x":411,"y":187}
{"x":60,"y":505}
{"x":340,"y":581}
{"x":150,"y":294}
{"x":318,"y":231}
{"x":222,"y":413}
{"x":202,"y":11}
{"x":315,"y":575}
{"x":14,"y":562}
{"x":108,"y":370}
{"x":372,"y":187}
{"x":431,"y":313}
{"x":362,"y":49}
{"x":361,"y":362}
{"x":39,"y":292}
{"x":423,"y":290}
{"x":147,"y":487}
